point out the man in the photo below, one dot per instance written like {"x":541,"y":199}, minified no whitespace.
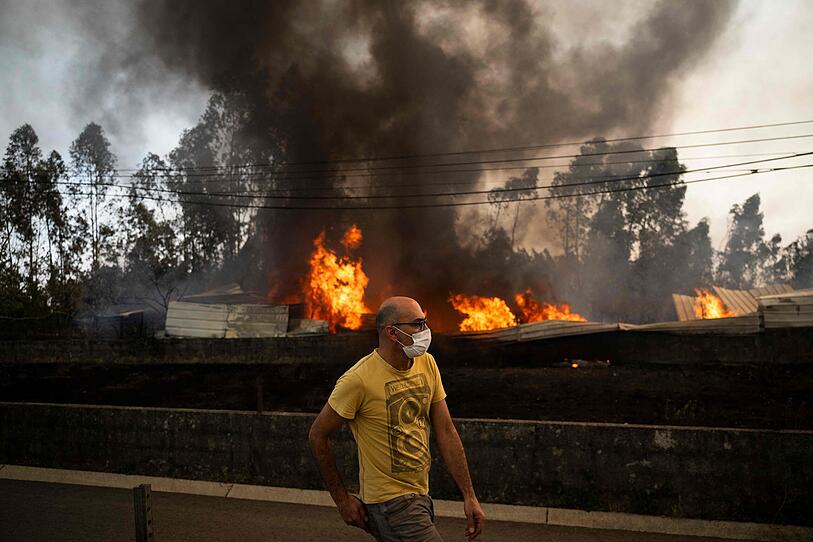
{"x":389,"y":398}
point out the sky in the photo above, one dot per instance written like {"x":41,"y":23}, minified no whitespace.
{"x":757,"y":72}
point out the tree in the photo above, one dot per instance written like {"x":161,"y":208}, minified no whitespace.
{"x":572,"y":205}
{"x":94,"y":164}
{"x":654,"y":210}
{"x":515,"y":190}
{"x":41,"y":243}
{"x":618,"y":215}
{"x":151,"y":250}
{"x":797,"y":261}
{"x":745,"y":252}
{"x":65,"y":239}
{"x":606,"y":263}
{"x":22,"y":188}
{"x":202,"y":233}
{"x":693,"y":261}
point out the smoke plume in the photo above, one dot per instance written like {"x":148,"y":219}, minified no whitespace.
{"x":328,"y":80}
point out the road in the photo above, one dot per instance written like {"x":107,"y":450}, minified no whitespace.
{"x":44,"y":511}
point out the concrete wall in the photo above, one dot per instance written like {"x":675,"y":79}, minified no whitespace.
{"x":742,"y":475}
{"x":771,"y":346}
{"x":337,"y":349}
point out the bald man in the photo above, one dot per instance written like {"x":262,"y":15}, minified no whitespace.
{"x":389,"y":399}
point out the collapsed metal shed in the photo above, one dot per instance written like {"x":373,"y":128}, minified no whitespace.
{"x":740,"y":302}
{"x":226,"y":321}
{"x":229,"y":312}
{"x":773,"y":306}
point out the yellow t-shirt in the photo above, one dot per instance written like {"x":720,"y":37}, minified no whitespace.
{"x":388,"y":411}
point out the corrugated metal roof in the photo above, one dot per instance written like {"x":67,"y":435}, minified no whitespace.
{"x":228,"y":294}
{"x":790,"y":309}
{"x":740,"y":302}
{"x":540,"y":330}
{"x":219,"y":320}
{"x":554,"y":328}
{"x":736,"y":325}
{"x":684,"y":306}
{"x":771,"y":289}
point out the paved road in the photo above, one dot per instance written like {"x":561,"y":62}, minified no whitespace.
{"x":40,"y":511}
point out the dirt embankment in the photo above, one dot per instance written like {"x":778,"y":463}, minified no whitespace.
{"x":759,"y":396}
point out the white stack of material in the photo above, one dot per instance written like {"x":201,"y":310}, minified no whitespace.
{"x":304,"y":326}
{"x":792,"y":309}
{"x":219,"y":321}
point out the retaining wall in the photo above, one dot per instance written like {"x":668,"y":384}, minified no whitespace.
{"x":789,"y":345}
{"x":741,"y":475}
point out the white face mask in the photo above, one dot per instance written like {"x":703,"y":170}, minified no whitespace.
{"x":420,"y":343}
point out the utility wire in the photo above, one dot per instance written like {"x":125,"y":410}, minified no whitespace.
{"x":264,"y":175}
{"x":492,"y":191}
{"x":458,"y":204}
{"x":533,"y":159}
{"x":522,"y":148}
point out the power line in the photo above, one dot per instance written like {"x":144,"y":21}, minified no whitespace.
{"x":461,"y":204}
{"x":523,"y":148}
{"x":601,"y":180}
{"x":552,"y":157}
{"x":264,"y":175}
{"x":474,"y":180}
{"x":571,"y":156}
{"x":264,"y":192}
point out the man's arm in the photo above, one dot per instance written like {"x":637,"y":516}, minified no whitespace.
{"x":451,"y":449}
{"x":351,"y":508}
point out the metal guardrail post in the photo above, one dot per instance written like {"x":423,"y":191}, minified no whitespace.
{"x":142,"y":506}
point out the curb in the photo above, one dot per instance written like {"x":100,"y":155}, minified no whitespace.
{"x":496,"y":512}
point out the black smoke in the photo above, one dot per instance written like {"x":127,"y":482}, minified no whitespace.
{"x":328,"y":80}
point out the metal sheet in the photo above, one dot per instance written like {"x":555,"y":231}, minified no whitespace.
{"x":771,"y":289}
{"x":790,"y":309}
{"x":196,"y":320}
{"x":737,"y":325}
{"x":684,"y":307}
{"x":226,"y":321}
{"x":227,"y":294}
{"x":540,"y":330}
{"x":740,"y":302}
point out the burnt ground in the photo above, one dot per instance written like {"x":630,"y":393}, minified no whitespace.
{"x":752,"y":396}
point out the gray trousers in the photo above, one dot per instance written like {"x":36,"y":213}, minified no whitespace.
{"x":408,"y":517}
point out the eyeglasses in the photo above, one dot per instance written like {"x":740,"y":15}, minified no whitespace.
{"x":420,"y":322}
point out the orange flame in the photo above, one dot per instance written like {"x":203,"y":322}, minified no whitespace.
{"x":352,"y":238}
{"x":482,"y":313}
{"x":708,"y":306}
{"x":534,"y":312}
{"x":334,"y":288}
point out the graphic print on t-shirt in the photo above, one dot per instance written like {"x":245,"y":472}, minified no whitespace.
{"x":408,"y":419}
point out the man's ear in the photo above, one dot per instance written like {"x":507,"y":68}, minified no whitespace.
{"x":390,"y":333}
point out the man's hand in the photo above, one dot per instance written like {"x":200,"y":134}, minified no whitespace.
{"x":353,"y":513}
{"x":475,"y":518}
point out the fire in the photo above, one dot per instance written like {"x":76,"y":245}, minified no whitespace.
{"x":708,"y":306}
{"x":334,"y":288}
{"x":352,"y":238}
{"x":534,"y":312}
{"x":482,"y":313}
